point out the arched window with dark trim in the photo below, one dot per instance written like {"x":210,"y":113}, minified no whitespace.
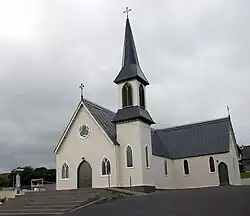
{"x":106,"y":167}
{"x":165,"y":167}
{"x":65,"y":171}
{"x":129,"y":157}
{"x":211,"y":164}
{"x":186,"y":167}
{"x":146,"y":157}
{"x":142,"y":96}
{"x":127,"y":95}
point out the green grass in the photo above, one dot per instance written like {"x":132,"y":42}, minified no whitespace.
{"x":245,"y":175}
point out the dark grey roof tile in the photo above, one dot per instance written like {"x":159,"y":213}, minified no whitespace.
{"x":197,"y":139}
{"x":130,"y":63}
{"x":131,"y":113}
{"x":103,"y":117}
{"x":130,"y":72}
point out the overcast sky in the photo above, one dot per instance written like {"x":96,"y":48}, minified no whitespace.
{"x":194,"y":53}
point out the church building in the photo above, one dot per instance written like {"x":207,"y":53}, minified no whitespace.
{"x":100,"y":148}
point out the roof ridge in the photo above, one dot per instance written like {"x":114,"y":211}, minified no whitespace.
{"x":196,"y":124}
{"x":99,"y":106}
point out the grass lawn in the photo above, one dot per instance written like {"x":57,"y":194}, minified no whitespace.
{"x":245,"y":175}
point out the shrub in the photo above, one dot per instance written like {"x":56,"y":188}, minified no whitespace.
{"x":3,"y":199}
{"x":245,"y":175}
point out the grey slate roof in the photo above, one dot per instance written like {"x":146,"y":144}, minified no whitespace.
{"x":132,"y":112}
{"x":246,"y":153}
{"x":130,"y":63}
{"x":104,"y":117}
{"x":204,"y":138}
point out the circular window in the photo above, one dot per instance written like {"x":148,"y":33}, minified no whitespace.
{"x":84,"y":131}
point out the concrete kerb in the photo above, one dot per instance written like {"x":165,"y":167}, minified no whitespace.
{"x":90,"y":203}
{"x":117,"y":190}
{"x":127,"y":192}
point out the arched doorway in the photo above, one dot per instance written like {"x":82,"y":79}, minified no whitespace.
{"x":223,"y":174}
{"x":84,"y":175}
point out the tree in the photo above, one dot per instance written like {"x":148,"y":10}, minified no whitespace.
{"x":25,"y":176}
{"x":40,"y":172}
{"x":29,"y":173}
{"x":3,"y":182}
{"x":51,"y":175}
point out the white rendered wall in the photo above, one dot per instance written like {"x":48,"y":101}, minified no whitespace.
{"x":94,"y":148}
{"x":137,"y":135}
{"x":163,"y":181}
{"x":200,"y":175}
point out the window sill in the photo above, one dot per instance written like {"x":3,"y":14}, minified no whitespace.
{"x":130,"y":167}
{"x":105,"y":176}
{"x":212,"y":172}
{"x":64,"y":179}
{"x":186,"y":175}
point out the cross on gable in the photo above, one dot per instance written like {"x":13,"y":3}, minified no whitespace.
{"x":81,"y":87}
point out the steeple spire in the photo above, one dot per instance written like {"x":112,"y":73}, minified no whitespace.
{"x":129,"y":50}
{"x":130,"y":62}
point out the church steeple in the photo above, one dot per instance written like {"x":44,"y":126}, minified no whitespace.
{"x":129,"y":50}
{"x":131,"y":84}
{"x":132,"y":120}
{"x":130,"y":63}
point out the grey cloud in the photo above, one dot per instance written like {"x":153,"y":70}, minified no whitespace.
{"x":194,"y":53}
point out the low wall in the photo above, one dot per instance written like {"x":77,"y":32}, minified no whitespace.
{"x":7,"y":192}
{"x":245,"y":181}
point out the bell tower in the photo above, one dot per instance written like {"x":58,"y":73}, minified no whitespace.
{"x":133,"y":120}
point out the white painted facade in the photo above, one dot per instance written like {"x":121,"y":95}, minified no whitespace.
{"x":97,"y":145}
{"x":93,"y":148}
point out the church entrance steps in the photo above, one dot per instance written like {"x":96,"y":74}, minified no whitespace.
{"x":34,"y":211}
{"x":67,"y":206}
{"x":31,"y":214}
{"x":63,"y":192}
{"x":53,"y":202}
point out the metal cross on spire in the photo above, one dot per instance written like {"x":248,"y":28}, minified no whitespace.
{"x":81,"y":87}
{"x":228,"y":111}
{"x":127,"y":11}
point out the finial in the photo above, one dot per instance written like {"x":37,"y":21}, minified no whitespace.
{"x":127,"y":11}
{"x":81,"y":87}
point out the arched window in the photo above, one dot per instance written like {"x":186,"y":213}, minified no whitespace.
{"x":127,"y":95}
{"x":186,"y":167}
{"x":106,"y":167}
{"x":165,"y":167}
{"x":129,"y":157}
{"x":65,"y":171}
{"x":142,"y":96}
{"x":211,"y":164}
{"x":146,"y":157}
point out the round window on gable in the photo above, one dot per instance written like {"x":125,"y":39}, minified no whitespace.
{"x":84,"y":131}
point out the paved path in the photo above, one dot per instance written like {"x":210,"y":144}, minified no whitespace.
{"x":219,"y":201}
